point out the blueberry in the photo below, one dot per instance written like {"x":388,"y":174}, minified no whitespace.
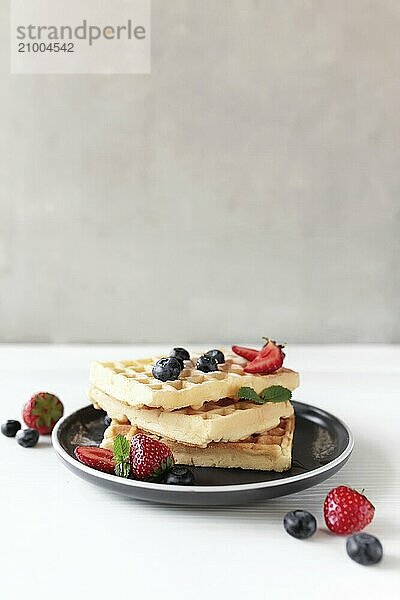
{"x":300,"y":524}
{"x":180,"y":361}
{"x":206,"y":364}
{"x":364,"y":548}
{"x":10,"y":428}
{"x":181,"y":354}
{"x":27,"y":437}
{"x":167,"y":369}
{"x":107,"y":421}
{"x":179,"y":476}
{"x":217,"y":354}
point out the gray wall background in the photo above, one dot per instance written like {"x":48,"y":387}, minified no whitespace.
{"x":250,"y":185}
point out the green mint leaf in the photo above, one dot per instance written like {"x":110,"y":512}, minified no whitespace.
{"x":247,"y":393}
{"x":276,"y":393}
{"x":121,"y":449}
{"x":121,"y":456}
{"x":122,"y":469}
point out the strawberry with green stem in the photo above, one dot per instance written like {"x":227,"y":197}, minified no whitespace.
{"x":347,"y":511}
{"x":42,"y":412}
{"x":269,"y":359}
{"x":150,"y":459}
{"x":263,"y":362}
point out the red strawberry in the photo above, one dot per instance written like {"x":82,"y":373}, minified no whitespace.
{"x":149,"y":458}
{"x":247,"y":353}
{"x":346,"y":511}
{"x":269,"y":359}
{"x":42,"y":412}
{"x":97,"y":458}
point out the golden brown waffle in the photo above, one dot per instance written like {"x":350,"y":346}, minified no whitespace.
{"x":268,"y":451}
{"x":227,"y":420}
{"x":132,"y":382}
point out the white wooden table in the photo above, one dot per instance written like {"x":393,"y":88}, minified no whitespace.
{"x":63,"y":538}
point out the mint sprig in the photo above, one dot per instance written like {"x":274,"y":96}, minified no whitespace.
{"x":275,"y":393}
{"x":247,"y":393}
{"x":121,"y":456}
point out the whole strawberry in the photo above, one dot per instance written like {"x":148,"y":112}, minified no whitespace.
{"x":346,"y":511}
{"x":42,"y":412}
{"x":149,"y":458}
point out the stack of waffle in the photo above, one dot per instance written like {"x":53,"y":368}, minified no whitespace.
{"x":199,"y":415}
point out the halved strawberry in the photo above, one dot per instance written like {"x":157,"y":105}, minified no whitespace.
{"x":269,"y":359}
{"x":97,"y":458}
{"x":42,"y":412}
{"x":248,"y":353}
{"x":149,"y":458}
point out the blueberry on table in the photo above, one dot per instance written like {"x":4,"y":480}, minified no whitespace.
{"x":206,"y":364}
{"x":10,"y":428}
{"x":364,"y":548}
{"x":27,"y":437}
{"x":167,"y":369}
{"x":217,"y":355}
{"x":181,"y":354}
{"x":300,"y":524}
{"x":179,"y":476}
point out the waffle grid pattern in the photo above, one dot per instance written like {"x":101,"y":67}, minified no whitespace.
{"x":141,"y":371}
{"x":132,"y":382}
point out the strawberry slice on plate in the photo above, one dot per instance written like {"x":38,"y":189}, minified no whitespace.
{"x":268,"y":360}
{"x":97,"y":458}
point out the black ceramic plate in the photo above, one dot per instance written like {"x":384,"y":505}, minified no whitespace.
{"x":322,"y":445}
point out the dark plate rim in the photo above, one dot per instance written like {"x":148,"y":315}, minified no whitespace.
{"x":163,"y":487}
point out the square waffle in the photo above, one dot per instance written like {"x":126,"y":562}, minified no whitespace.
{"x":226,"y":420}
{"x":132,"y":382}
{"x":267,"y":451}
